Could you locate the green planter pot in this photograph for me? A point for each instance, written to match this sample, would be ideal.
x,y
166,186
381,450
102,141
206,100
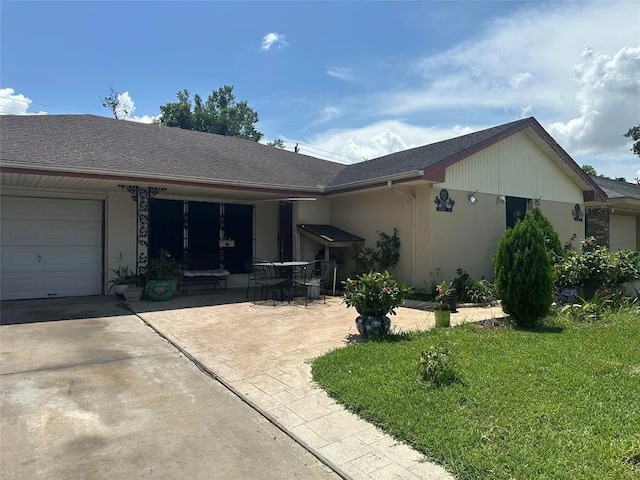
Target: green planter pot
x,y
443,318
372,325
160,290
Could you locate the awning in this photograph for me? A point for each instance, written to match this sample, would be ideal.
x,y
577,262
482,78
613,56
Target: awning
x,y
330,236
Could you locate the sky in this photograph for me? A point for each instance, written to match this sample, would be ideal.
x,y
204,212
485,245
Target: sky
x,y
347,81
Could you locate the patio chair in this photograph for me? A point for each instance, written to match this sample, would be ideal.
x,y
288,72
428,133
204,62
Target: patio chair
x,y
314,280
264,278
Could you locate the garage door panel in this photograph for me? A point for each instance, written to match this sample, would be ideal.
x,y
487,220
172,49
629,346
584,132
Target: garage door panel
x,y
50,209
51,247
50,233
53,284
73,259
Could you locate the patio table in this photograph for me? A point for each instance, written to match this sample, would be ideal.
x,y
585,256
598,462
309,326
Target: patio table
x,y
285,269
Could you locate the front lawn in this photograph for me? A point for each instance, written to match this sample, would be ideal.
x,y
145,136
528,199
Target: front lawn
x,y
556,403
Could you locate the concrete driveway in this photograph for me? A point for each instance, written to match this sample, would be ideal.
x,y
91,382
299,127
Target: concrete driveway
x,y
89,391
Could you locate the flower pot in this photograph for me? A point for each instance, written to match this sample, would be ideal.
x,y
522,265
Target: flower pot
x,y
160,290
443,318
452,301
119,290
373,325
133,294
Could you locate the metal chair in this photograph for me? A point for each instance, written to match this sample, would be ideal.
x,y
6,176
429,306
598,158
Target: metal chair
x,y
314,280
264,278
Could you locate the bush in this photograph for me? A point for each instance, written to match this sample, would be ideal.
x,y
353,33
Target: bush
x,y
551,238
375,293
524,279
384,257
462,284
483,293
436,367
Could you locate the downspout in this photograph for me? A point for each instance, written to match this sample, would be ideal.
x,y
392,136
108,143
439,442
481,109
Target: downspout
x,y
413,228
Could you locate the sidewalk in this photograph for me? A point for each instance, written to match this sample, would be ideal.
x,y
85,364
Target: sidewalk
x,y
262,353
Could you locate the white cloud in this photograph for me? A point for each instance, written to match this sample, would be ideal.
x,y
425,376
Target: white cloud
x,y
608,101
342,73
519,79
329,113
382,138
126,107
273,40
12,103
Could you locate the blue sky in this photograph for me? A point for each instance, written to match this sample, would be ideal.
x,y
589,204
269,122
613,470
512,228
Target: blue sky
x,y
358,79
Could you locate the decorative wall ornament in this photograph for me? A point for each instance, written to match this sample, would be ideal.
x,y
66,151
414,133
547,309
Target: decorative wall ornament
x,y
577,213
443,202
142,196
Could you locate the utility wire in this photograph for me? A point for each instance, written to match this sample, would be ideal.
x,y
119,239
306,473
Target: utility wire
x,y
324,151
36,103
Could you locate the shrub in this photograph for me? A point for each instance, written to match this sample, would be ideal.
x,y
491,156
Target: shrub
x,y
483,292
524,279
384,257
462,283
375,293
551,238
436,367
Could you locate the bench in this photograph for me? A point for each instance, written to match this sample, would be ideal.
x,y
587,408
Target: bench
x,y
215,277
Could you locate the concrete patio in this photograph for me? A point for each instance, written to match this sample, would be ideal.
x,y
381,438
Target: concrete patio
x,y
262,353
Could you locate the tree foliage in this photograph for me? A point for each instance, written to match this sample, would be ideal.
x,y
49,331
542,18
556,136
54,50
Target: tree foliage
x,y
219,113
111,101
634,134
277,143
589,170
551,238
524,277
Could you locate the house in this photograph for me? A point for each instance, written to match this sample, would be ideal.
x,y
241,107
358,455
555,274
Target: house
x,y
616,222
79,190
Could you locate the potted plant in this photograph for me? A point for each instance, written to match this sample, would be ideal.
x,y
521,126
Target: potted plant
x,y
162,274
133,292
442,309
374,296
120,278
447,293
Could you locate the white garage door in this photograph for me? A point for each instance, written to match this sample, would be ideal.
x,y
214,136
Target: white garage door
x,y
622,232
50,247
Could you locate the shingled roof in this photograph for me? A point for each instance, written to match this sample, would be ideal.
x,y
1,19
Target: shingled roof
x,y
94,144
420,158
89,144
617,188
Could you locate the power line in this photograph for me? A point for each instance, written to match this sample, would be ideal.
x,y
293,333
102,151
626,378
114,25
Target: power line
x,y
325,151
36,103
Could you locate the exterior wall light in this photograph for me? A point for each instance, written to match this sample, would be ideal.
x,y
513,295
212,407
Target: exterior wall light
x,y
472,198
500,199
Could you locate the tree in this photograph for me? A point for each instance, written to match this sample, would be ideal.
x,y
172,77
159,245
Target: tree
x,y
551,238
524,278
277,143
634,134
112,101
220,114
589,170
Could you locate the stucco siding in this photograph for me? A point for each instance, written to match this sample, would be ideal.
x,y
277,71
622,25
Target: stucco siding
x,y
366,214
622,232
516,167
468,236
120,231
266,230
560,216
313,212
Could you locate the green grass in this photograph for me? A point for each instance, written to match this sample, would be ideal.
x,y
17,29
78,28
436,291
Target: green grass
x,y
556,403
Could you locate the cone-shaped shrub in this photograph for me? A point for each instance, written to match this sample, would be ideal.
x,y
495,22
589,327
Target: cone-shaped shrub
x,y
524,278
551,238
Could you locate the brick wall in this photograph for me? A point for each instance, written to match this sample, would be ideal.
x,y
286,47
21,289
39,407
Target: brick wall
x,y
597,224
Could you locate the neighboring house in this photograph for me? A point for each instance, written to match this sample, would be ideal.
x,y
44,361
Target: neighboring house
x,y
77,190
616,222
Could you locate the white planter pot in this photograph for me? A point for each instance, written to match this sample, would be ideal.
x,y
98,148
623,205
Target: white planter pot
x,y
119,290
